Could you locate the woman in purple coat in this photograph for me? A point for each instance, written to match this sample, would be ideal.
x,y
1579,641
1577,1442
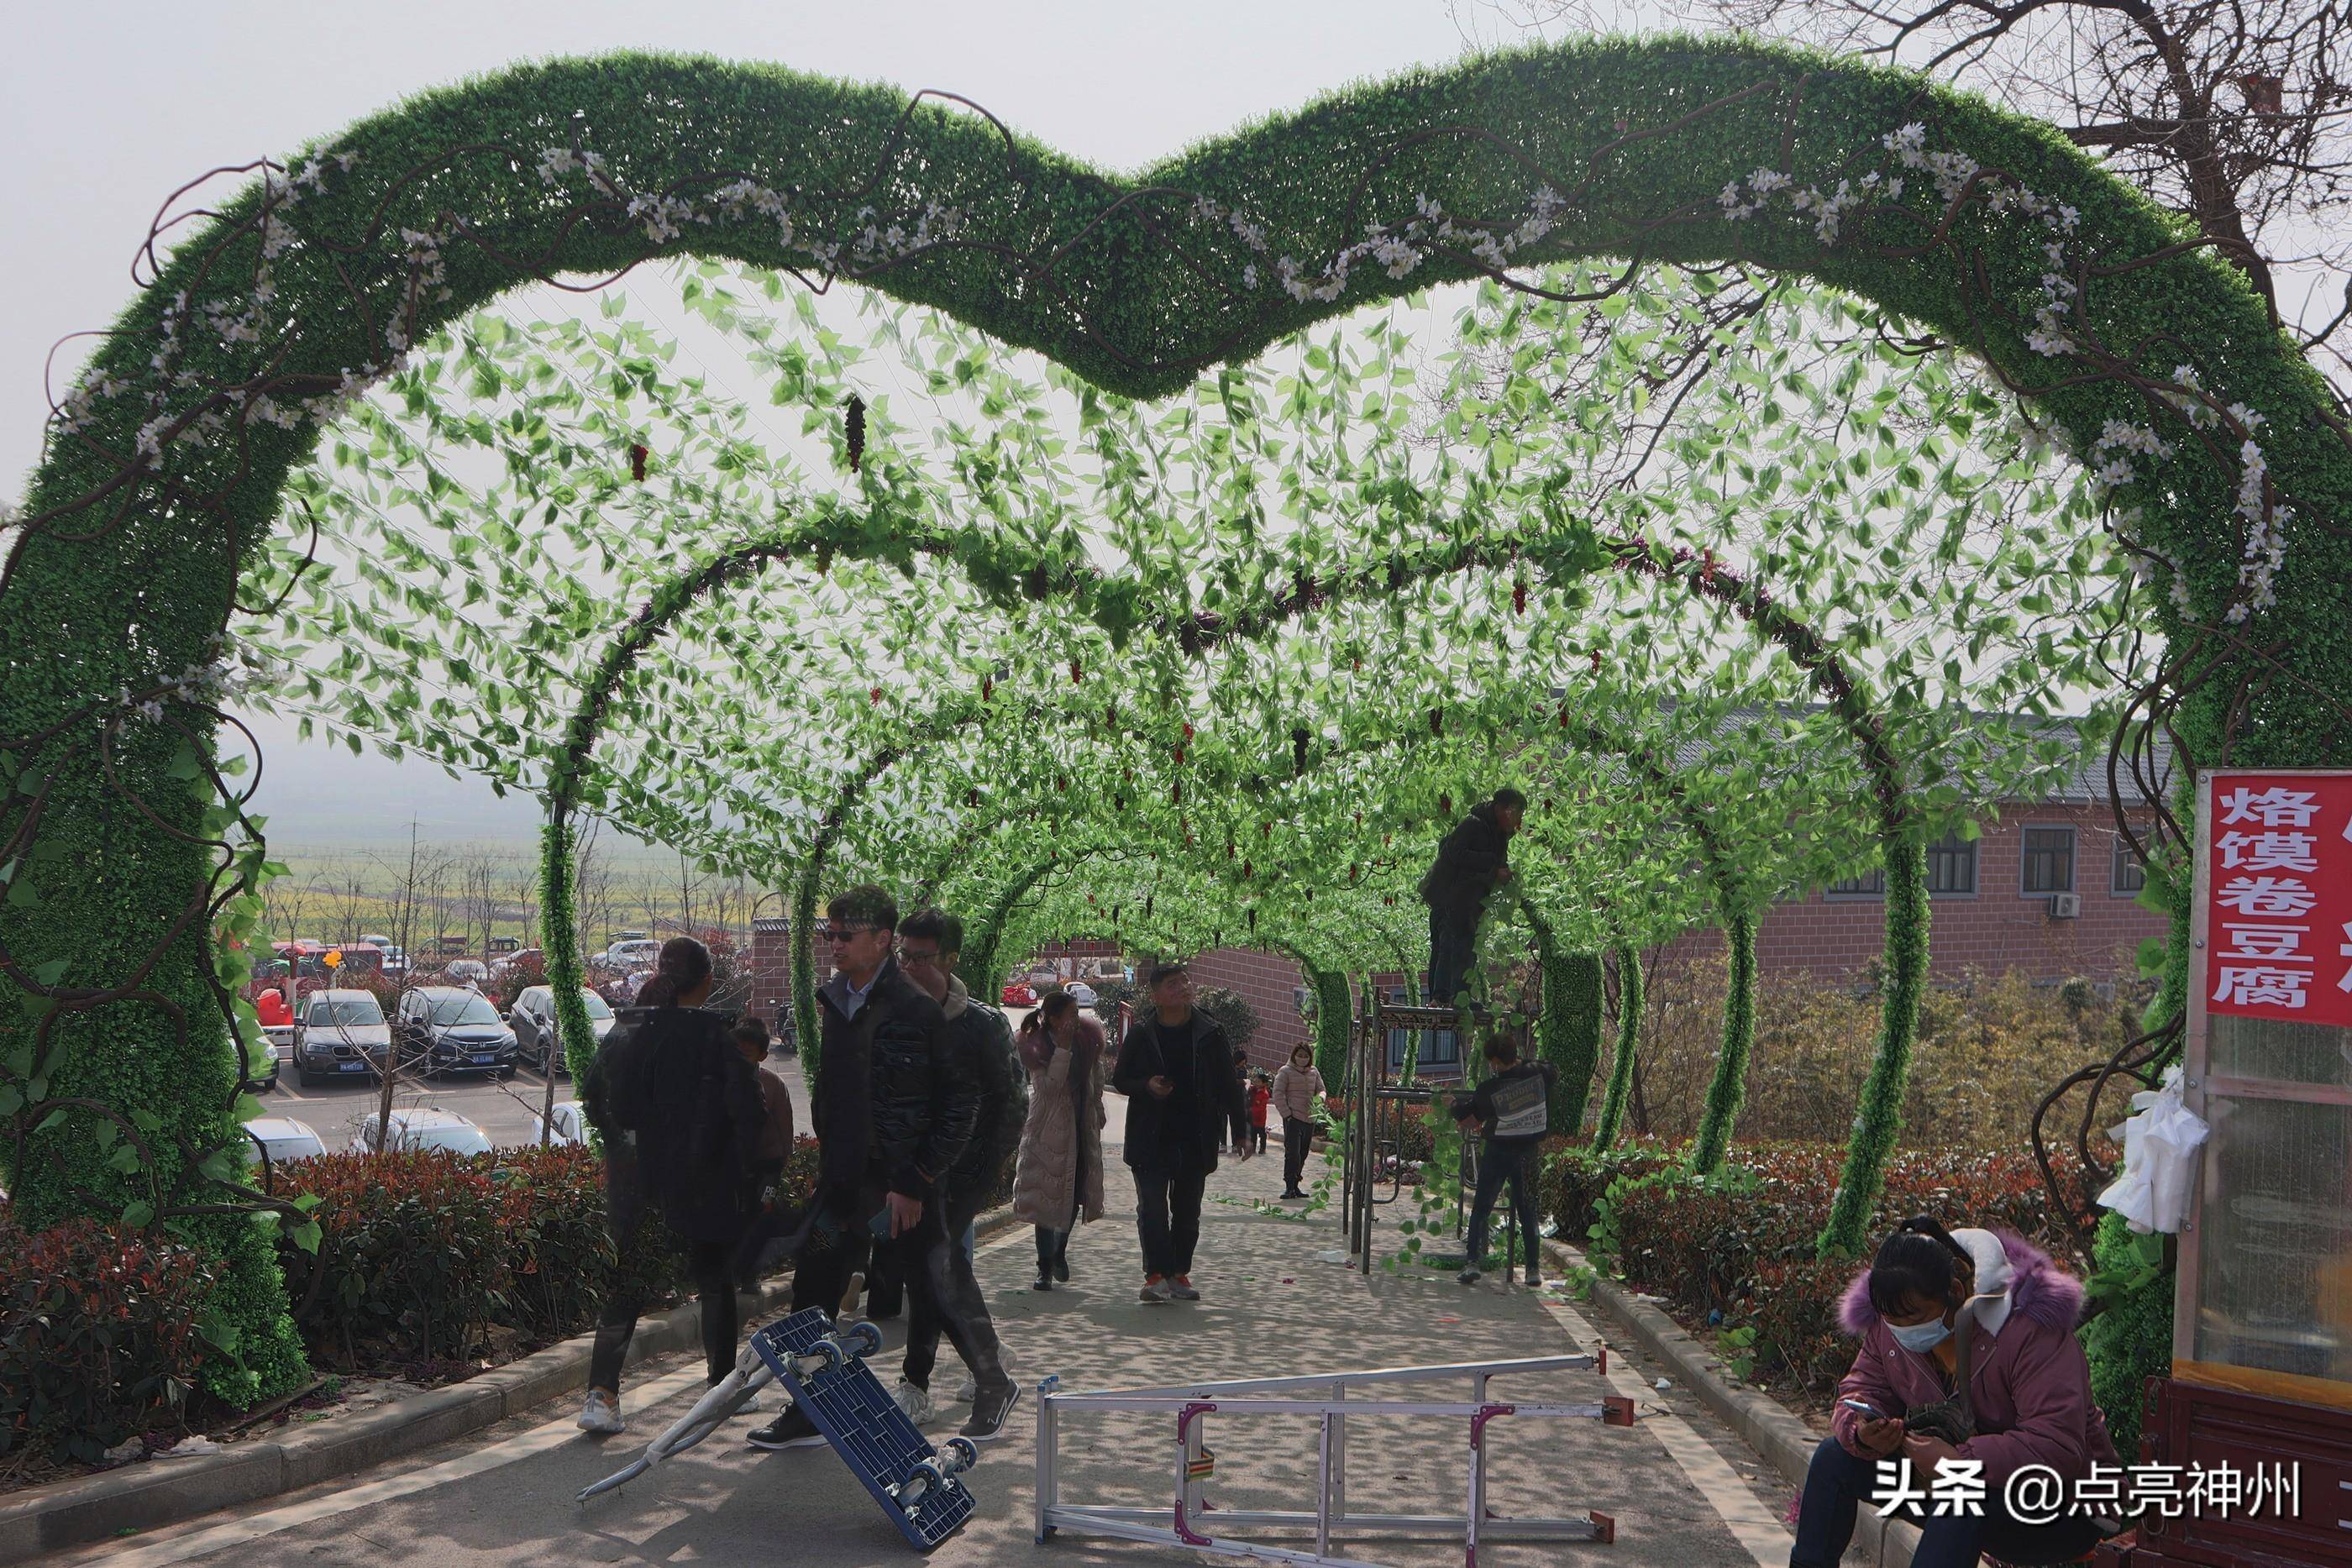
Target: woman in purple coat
x,y
1933,1303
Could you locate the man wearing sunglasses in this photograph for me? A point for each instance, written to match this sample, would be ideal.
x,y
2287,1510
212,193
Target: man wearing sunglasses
x,y
928,944
894,1106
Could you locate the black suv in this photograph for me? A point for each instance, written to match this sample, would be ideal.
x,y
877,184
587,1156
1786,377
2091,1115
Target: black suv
x,y
453,1029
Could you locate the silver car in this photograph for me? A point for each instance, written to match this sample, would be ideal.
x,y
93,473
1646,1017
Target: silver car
x,y
532,1018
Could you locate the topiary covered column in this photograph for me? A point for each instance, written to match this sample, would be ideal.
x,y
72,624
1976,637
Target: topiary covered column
x,y
1621,1070
1630,1002
1728,1087
1880,1116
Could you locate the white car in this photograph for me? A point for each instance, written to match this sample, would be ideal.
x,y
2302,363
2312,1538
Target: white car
x,y
282,1138
422,1127
532,1018
641,954
568,1121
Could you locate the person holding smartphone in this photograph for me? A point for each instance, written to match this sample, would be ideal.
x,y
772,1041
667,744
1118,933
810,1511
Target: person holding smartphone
x,y
1968,1334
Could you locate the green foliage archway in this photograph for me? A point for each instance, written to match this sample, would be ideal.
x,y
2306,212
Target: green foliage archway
x,y
156,518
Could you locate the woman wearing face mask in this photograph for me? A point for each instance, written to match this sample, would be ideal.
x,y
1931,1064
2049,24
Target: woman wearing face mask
x,y
1967,1353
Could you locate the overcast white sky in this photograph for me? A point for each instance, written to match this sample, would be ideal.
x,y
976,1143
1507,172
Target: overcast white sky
x,y
111,106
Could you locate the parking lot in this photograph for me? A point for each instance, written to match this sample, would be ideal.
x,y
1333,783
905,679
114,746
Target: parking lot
x,y
503,1109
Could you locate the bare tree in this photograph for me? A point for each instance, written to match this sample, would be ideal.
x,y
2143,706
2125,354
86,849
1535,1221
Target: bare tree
x,y
480,877
416,881
524,882
593,891
2235,113
286,903
349,895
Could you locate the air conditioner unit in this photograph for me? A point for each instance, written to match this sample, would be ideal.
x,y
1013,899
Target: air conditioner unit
x,y
2065,905
1303,998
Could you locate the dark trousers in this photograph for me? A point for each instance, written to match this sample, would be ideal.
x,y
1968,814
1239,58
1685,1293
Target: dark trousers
x,y
1498,1163
946,1296
1054,1246
714,1285
1168,1216
1297,1135
827,1261
886,1289
1257,1137
1837,1483
1238,1126
924,1259
1453,946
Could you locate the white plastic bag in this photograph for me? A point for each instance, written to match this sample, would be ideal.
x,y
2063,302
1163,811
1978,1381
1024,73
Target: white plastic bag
x,y
2160,1141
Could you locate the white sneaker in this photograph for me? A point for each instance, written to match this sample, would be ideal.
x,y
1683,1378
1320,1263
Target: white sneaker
x,y
849,1300
600,1413
914,1401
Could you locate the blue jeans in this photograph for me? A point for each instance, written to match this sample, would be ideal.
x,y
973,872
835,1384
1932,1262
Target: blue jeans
x,y
1837,1483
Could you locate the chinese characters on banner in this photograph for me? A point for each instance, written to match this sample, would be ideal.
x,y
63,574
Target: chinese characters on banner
x,y
2278,912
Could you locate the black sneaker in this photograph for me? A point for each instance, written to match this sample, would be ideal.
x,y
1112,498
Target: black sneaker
x,y
791,1429
1471,1275
1061,1271
990,1407
1043,1281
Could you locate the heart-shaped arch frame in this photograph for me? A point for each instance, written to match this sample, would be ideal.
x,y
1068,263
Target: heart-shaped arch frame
x,y
164,465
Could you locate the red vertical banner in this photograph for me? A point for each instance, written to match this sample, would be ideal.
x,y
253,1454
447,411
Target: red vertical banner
x,y
2278,895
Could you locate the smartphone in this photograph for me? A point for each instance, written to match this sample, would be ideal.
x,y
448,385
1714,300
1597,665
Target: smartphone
x,y
1866,1410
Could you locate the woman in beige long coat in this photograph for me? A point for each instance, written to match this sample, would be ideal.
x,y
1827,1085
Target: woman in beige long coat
x,y
1059,1180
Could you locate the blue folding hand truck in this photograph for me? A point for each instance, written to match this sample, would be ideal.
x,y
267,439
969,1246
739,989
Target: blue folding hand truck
x,y
919,1489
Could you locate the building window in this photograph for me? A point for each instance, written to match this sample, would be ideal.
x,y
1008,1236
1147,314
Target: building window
x,y
1440,1048
2049,862
2130,871
1952,867
1872,884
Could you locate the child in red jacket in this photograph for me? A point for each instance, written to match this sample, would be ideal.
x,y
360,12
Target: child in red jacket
x,y
1261,1095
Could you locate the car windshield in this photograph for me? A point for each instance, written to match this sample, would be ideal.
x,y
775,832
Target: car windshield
x,y
452,1010
597,1007
344,1012
461,1139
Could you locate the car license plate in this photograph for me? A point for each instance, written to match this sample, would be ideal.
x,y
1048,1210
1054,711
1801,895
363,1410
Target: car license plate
x,y
350,1066
485,1061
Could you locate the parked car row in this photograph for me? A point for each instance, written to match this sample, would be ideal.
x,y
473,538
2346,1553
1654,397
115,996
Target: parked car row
x,y
410,1127
343,1031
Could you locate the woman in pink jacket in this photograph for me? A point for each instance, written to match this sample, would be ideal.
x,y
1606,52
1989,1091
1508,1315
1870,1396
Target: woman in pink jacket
x,y
1932,1302
1298,1090
1059,1178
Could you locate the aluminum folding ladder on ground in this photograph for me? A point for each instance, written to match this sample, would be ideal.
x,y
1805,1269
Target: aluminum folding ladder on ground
x,y
1326,1396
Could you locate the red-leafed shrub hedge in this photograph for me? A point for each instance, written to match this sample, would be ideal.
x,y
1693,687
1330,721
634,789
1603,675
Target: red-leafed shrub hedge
x,y
100,1334
1737,1250
411,1251
420,1257
423,1253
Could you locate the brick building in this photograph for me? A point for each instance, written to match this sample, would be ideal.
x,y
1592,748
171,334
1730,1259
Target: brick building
x,y
2050,889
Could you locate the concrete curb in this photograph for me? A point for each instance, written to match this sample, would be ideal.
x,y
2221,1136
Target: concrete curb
x,y
161,1491
1775,1432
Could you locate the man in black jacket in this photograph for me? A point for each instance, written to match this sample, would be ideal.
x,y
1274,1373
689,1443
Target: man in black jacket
x,y
894,1108
928,943
1472,861
1176,1069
